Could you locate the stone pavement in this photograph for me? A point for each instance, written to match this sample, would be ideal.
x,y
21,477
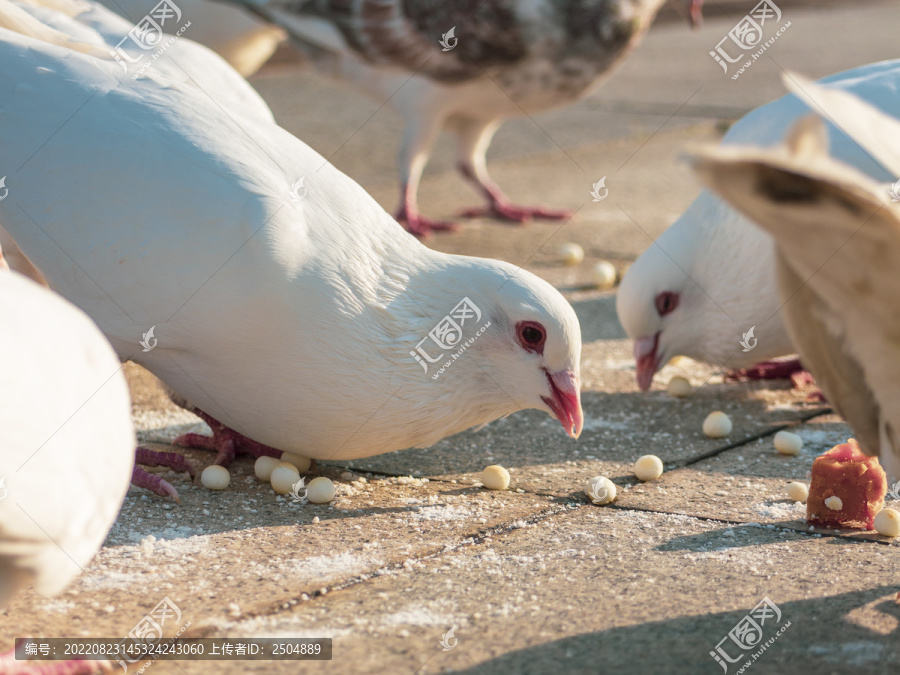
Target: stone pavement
x,y
535,579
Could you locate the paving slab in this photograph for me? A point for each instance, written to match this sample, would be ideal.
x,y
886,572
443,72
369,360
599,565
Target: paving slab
x,y
247,550
600,590
748,484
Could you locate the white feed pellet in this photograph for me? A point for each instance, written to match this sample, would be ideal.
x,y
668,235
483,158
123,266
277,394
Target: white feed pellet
x,y
215,477
571,254
320,490
834,503
787,443
300,462
797,492
604,275
601,490
283,478
679,387
717,425
264,467
887,522
495,477
648,467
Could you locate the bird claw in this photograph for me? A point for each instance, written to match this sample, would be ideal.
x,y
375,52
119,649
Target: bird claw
x,y
422,227
225,442
518,214
767,370
172,460
149,481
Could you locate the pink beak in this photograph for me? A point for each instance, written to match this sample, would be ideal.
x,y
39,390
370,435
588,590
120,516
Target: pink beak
x,y
566,401
646,359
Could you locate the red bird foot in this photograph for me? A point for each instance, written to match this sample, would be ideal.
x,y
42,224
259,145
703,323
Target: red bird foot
x,y
804,381
420,226
10,666
767,370
225,442
503,210
152,482
781,370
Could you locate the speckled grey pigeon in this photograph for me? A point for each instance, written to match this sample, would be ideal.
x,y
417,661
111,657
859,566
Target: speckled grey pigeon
x,y
465,66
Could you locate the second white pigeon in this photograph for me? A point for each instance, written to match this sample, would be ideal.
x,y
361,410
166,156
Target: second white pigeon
x,y
709,278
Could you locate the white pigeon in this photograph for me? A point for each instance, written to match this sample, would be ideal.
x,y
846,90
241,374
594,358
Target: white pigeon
x,y
837,236
66,443
708,279
464,66
244,41
304,319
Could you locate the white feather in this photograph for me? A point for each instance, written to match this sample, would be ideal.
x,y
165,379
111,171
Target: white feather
x,y
66,440
838,242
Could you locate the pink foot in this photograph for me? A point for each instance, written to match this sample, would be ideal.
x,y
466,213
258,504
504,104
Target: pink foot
x,y
503,210
226,442
152,482
173,460
10,666
767,370
420,226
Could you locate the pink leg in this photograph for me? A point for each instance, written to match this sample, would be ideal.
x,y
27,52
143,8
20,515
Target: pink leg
x,y
225,442
417,224
173,460
152,482
9,666
783,369
767,370
500,207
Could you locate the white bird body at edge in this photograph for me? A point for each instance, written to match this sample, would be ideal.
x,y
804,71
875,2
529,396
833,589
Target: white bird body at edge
x,y
720,264
66,439
837,237
291,322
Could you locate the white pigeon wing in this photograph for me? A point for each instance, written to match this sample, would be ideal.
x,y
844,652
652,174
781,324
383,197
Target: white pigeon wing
x,y
839,244
876,132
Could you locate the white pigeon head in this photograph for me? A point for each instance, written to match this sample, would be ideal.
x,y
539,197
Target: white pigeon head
x,y
698,289
522,352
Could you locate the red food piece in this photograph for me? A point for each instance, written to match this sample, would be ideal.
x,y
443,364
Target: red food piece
x,y
855,478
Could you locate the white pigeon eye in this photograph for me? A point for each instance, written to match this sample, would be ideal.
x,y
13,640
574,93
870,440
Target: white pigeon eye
x,y
531,336
666,302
